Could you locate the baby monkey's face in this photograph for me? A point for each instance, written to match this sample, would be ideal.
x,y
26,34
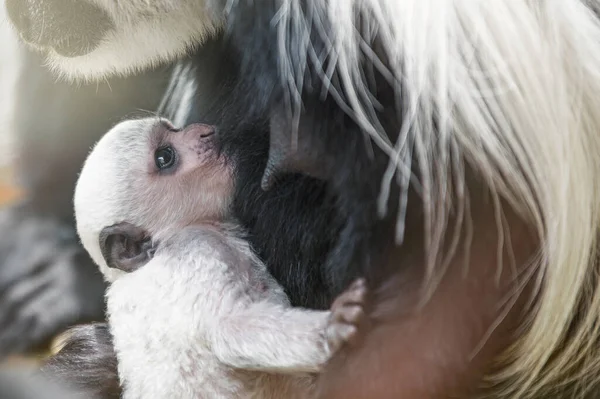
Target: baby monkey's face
x,y
185,175
175,178
145,180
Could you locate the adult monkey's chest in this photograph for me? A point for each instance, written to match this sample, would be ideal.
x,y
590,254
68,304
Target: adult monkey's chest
x,y
313,218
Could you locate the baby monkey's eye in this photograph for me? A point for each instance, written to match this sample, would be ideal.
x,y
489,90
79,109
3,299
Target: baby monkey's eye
x,y
164,157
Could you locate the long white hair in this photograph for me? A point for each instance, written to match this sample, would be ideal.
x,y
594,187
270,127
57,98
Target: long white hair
x,y
514,89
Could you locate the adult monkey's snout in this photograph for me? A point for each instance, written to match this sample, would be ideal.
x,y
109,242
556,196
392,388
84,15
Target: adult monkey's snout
x,y
71,28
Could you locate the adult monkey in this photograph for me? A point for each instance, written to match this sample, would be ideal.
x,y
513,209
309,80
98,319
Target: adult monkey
x,y
493,106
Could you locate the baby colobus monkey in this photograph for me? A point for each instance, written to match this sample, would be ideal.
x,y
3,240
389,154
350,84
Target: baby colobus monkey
x,y
192,311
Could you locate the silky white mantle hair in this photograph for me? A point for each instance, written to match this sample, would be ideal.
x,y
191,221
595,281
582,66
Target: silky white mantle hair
x,y
513,87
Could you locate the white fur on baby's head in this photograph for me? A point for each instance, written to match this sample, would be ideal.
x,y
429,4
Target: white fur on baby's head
x,y
119,183
101,197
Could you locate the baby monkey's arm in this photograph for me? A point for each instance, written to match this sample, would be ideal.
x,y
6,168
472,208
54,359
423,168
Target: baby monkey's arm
x,y
280,339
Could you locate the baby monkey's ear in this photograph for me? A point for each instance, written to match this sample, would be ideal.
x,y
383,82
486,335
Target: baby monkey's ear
x,y
125,246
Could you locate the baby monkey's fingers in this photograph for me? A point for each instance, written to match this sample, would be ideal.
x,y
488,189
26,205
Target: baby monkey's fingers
x,y
347,322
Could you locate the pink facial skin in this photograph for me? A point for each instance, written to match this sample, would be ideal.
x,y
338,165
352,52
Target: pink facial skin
x,y
185,175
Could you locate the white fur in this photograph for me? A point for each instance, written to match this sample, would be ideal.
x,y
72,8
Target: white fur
x,y
204,319
97,204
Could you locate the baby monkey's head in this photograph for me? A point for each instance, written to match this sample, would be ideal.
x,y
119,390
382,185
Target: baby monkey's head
x,y
144,180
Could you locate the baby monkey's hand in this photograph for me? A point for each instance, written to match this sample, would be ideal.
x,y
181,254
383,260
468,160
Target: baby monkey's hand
x,y
348,318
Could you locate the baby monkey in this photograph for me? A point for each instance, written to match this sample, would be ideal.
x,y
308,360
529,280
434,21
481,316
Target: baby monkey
x,y
193,312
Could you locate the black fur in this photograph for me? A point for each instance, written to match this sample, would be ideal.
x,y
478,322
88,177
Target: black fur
x,y
293,226
47,280
316,236
86,363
